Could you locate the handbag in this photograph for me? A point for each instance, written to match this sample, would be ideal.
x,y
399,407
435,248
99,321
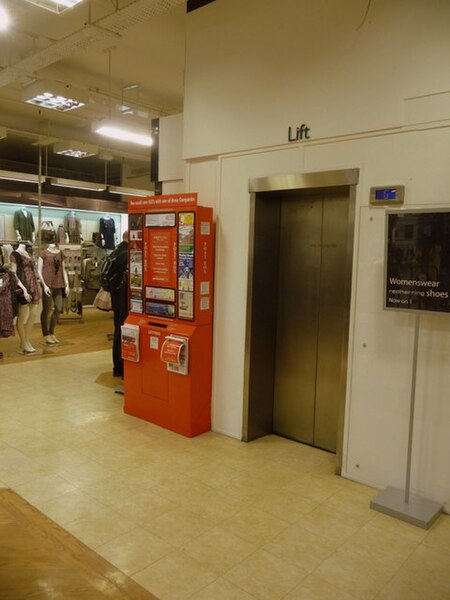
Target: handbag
x,y
102,300
47,232
97,238
20,295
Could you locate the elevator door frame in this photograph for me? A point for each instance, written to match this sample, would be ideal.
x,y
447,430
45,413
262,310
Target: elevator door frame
x,y
258,407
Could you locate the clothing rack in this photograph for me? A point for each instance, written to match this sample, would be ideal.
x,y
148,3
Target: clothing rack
x,y
15,242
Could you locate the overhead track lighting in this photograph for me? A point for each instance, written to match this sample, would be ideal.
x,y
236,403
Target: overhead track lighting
x,y
125,191
123,132
56,6
54,95
75,149
77,185
21,177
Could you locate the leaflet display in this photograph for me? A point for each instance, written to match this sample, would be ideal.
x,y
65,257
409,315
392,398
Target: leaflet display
x,y
136,246
171,302
130,342
171,258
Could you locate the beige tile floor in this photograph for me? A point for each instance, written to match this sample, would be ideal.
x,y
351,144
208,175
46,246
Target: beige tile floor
x,y
209,518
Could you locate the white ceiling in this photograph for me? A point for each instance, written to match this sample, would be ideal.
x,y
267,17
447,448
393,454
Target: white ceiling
x,y
100,46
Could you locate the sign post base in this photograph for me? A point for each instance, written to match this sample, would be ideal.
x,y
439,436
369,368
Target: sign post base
x,y
418,511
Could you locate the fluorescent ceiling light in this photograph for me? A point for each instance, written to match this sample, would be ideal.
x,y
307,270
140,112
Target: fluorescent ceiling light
x,y
54,95
56,6
22,177
4,19
123,132
125,191
75,149
77,185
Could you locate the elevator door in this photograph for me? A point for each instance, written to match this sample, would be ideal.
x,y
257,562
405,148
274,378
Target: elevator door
x,y
311,318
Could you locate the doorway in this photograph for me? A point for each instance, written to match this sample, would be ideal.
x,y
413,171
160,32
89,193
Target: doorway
x,y
298,307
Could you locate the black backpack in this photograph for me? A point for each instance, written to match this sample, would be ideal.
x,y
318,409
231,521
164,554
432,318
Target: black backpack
x,y
111,276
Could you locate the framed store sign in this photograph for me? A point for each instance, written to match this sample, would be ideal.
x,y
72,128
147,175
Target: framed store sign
x,y
417,262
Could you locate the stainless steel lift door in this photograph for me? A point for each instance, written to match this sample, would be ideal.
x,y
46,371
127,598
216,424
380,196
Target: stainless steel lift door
x,y
311,321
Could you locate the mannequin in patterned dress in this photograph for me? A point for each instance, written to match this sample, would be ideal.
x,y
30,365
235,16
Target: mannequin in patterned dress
x,y
25,268
53,276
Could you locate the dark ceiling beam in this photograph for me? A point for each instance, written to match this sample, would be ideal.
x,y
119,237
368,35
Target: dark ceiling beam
x,y
195,4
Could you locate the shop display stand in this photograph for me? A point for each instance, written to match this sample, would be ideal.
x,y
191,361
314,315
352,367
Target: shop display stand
x,y
400,503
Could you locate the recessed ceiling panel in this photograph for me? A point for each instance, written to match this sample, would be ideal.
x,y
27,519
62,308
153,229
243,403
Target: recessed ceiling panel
x,y
56,6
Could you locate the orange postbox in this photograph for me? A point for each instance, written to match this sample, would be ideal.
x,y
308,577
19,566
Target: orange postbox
x,y
167,336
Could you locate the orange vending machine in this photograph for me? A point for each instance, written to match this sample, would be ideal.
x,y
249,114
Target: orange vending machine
x,y
167,336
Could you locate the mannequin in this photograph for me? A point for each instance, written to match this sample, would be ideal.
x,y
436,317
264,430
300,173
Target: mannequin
x,y
53,276
108,232
24,224
72,228
25,268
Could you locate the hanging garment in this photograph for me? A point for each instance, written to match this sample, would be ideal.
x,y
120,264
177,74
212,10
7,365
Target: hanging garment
x,y
60,235
72,226
24,224
8,303
6,251
91,273
97,238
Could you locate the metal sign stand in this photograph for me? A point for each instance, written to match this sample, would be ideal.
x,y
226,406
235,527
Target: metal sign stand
x,y
398,503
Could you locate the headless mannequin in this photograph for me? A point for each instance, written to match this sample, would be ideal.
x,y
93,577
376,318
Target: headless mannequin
x,y
111,242
27,312
72,228
48,328
18,236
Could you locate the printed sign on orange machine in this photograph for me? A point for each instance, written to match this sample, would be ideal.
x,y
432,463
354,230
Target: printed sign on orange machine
x,y
130,342
171,351
175,353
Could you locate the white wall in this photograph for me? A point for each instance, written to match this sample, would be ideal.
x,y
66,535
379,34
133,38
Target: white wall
x,y
171,164
256,67
376,98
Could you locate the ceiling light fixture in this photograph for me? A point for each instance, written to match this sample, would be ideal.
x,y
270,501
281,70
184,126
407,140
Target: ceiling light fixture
x,y
56,6
77,185
122,132
75,149
4,19
125,191
21,177
54,95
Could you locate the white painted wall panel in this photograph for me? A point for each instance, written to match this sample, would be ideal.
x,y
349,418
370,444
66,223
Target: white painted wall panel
x,y
171,164
379,375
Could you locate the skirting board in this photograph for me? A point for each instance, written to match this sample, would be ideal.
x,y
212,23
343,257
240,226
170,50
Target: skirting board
x,y
418,511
